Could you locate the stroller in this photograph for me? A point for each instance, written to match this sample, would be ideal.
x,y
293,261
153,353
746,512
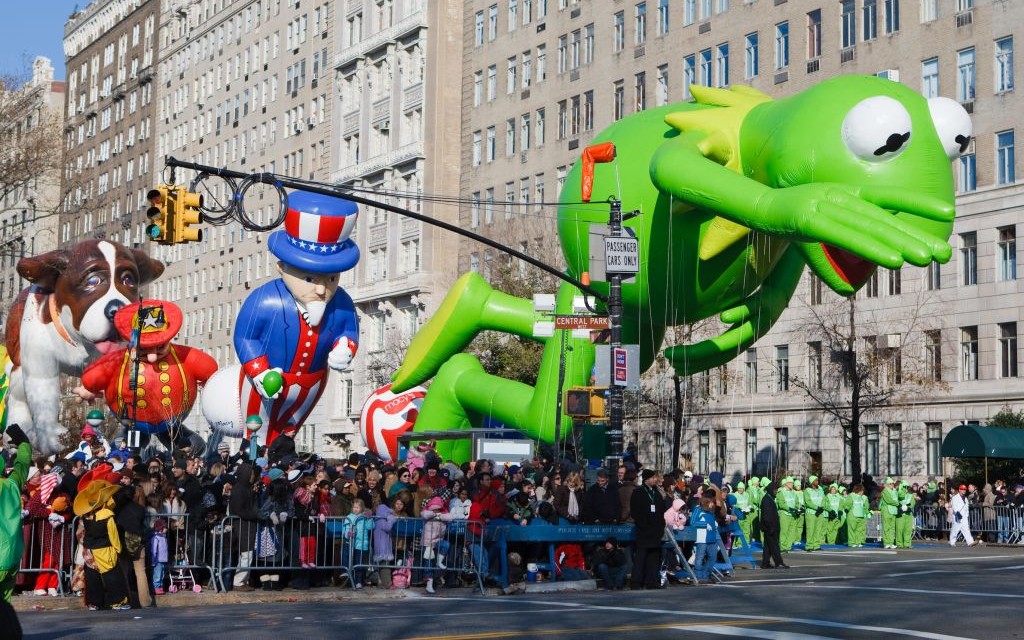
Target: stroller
x,y
181,577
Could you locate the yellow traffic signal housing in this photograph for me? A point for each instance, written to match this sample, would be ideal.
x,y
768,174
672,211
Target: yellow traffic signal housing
x,y
584,402
187,213
158,229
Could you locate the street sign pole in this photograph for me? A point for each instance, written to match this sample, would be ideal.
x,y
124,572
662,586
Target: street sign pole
x,y
615,409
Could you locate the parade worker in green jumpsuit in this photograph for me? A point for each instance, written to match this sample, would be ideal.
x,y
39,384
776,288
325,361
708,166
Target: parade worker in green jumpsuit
x,y
745,507
798,526
814,501
786,500
842,537
756,493
905,517
12,542
833,519
857,510
889,507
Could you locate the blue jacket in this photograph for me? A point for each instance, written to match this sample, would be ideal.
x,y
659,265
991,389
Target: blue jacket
x,y
360,525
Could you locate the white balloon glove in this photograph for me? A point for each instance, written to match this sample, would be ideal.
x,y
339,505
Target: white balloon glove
x,y
257,383
341,355
273,518
283,517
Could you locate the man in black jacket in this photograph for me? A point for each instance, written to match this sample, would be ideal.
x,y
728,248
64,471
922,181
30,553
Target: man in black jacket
x,y
601,501
770,527
243,505
647,506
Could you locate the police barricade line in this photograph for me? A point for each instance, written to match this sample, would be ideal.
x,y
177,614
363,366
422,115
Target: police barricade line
x,y
265,549
47,554
413,550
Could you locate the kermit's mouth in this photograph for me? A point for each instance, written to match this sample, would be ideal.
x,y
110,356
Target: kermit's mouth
x,y
851,269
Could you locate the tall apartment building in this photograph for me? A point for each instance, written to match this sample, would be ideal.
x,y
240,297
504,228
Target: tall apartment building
x,y
397,130
33,115
542,77
111,54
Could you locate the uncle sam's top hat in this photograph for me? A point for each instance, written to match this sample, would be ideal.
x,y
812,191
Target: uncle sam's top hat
x,y
316,234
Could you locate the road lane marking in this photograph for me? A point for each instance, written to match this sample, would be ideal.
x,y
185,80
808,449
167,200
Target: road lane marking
x,y
1014,567
731,624
938,592
455,614
747,632
960,559
739,582
916,573
706,614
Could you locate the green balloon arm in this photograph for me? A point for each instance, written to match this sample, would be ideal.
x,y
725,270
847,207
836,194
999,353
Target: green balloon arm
x,y
750,320
817,212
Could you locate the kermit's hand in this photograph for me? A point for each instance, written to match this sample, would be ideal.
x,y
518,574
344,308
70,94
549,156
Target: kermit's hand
x,y
856,219
748,321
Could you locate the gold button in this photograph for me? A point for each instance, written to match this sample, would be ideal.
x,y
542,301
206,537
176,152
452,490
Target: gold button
x,y
166,389
141,404
141,380
164,377
140,393
166,402
164,366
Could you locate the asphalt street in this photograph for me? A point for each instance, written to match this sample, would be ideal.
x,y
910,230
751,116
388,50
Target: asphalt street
x,y
928,592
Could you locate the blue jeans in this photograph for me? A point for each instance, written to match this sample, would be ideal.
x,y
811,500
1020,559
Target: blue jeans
x,y
159,569
705,559
356,572
1004,527
613,577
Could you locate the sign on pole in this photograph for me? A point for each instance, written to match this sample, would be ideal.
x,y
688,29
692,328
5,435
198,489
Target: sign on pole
x,y
581,322
620,377
621,255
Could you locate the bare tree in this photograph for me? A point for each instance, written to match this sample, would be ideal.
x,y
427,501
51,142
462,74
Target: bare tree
x,y
860,363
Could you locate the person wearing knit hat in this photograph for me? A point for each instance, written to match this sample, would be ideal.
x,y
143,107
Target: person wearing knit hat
x,y
93,445
857,512
786,501
647,507
754,488
798,525
905,517
274,474
745,508
889,506
814,499
834,517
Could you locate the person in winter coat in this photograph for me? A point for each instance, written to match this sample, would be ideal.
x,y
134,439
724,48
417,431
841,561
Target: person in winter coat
x,y
770,527
460,505
675,518
12,544
242,504
158,554
609,564
50,510
601,501
105,586
647,506
131,522
432,540
569,562
570,498
277,509
355,531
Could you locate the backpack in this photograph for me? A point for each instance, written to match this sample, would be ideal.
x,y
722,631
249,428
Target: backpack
x,y
402,576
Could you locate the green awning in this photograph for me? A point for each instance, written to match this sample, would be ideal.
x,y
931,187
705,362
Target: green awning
x,y
976,441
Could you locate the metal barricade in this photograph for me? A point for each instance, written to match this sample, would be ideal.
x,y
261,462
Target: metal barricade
x,y
452,550
191,548
48,554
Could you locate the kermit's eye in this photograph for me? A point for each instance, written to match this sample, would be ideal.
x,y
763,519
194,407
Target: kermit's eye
x,y
877,129
953,125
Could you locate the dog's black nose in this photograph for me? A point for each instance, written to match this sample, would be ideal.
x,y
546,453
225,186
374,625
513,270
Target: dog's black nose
x,y
112,308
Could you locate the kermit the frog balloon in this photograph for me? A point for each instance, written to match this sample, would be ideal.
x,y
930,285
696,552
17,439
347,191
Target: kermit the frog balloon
x,y
736,194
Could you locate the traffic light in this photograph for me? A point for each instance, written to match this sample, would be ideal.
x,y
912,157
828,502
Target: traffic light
x,y
584,402
158,229
187,213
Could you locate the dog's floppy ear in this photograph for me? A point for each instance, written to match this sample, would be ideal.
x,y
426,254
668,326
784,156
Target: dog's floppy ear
x,y
43,270
149,268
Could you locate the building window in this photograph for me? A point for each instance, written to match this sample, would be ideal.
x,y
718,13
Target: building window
x,y
721,449
895,450
969,258
782,448
933,276
1008,350
662,17
640,23
478,33
511,74
871,449
750,371
478,148
662,93
967,178
965,75
705,67
619,31
929,10
933,354
1007,250
782,368
689,12
542,62
750,57
492,82
871,286
722,64
491,133
849,24
751,449
817,289
933,431
618,100
814,365
782,45
892,16
894,282
870,13
814,34
703,451
492,22
705,9
1004,65
969,353
640,91
588,110
1005,173
930,78
588,43
513,14
689,75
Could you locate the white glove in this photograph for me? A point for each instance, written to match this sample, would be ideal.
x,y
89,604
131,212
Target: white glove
x,y
257,383
56,520
24,513
323,518
341,355
283,517
273,518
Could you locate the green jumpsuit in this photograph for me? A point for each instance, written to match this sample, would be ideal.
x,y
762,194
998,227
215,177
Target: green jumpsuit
x,y
746,508
12,543
786,500
814,498
798,525
756,493
856,519
889,507
833,520
905,518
